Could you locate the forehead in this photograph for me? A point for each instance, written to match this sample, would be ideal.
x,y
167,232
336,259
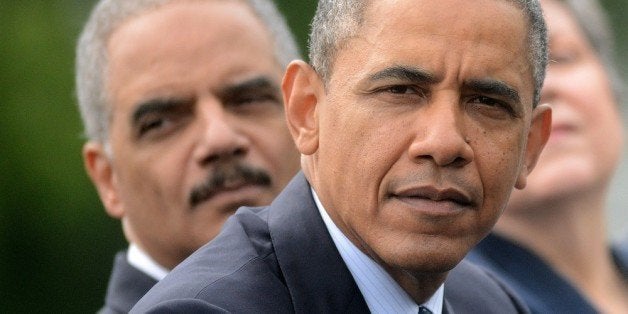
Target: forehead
x,y
181,43
450,38
441,16
560,21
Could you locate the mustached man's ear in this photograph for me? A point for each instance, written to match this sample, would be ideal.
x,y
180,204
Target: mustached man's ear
x,y
100,170
302,90
540,129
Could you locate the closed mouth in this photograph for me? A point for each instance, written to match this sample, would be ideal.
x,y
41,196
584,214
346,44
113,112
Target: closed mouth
x,y
430,193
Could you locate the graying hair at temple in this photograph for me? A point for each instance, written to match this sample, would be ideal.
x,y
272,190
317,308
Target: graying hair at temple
x,y
336,21
91,53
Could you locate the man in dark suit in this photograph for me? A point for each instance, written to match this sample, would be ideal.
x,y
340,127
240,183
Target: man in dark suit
x,y
414,122
182,108
282,259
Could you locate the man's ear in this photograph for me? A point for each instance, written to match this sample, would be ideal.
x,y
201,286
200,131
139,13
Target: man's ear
x,y
538,135
100,170
302,91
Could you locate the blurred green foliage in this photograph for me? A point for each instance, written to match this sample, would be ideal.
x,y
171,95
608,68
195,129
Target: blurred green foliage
x,y
56,240
57,243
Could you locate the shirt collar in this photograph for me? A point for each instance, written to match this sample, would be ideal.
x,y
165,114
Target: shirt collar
x,y
142,261
380,291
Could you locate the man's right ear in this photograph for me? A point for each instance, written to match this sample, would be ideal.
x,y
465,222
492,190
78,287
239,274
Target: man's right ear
x,y
100,170
303,91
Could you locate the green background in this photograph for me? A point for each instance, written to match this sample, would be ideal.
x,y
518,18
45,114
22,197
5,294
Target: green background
x,y
57,243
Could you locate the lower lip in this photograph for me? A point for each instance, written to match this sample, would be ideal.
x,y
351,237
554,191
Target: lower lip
x,y
432,208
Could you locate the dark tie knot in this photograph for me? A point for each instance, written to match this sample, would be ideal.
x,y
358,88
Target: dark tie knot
x,y
424,310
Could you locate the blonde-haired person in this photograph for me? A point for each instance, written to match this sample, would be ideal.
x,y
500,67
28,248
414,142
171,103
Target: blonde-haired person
x,y
551,243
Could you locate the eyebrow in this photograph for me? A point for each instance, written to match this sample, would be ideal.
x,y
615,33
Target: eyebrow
x,y
256,83
406,73
495,88
167,104
155,105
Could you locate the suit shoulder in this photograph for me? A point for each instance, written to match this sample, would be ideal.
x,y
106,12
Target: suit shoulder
x,y
238,265
475,290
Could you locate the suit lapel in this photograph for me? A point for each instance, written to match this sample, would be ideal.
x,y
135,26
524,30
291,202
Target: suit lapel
x,y
126,286
315,274
447,308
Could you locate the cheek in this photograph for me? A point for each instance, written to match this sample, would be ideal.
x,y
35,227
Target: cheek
x,y
593,99
148,183
273,143
590,92
278,156
156,175
362,147
355,153
499,158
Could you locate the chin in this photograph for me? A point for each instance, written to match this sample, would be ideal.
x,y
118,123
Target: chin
x,y
431,264
430,257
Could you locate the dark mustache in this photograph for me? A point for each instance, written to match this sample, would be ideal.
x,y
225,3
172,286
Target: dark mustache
x,y
232,172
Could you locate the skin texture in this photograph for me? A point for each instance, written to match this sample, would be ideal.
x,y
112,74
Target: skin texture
x,y
191,100
585,115
410,152
570,183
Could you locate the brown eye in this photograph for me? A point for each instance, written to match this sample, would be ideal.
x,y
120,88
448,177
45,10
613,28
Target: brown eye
x,y
487,104
399,89
150,125
403,90
487,101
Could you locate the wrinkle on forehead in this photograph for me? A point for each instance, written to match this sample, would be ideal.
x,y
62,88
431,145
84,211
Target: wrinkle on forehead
x,y
466,39
429,19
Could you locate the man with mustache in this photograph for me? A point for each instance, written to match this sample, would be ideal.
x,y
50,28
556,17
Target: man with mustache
x,y
184,119
415,120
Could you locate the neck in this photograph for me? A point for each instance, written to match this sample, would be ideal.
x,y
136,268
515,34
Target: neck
x,y
420,287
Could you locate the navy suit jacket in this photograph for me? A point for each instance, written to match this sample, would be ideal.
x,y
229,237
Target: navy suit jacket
x,y
539,285
127,285
621,255
281,259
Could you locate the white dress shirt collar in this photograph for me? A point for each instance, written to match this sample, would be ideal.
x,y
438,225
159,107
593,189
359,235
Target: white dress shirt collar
x,y
380,291
142,261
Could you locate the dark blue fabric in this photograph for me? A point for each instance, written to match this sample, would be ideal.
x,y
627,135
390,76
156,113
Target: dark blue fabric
x,y
540,287
620,253
281,259
127,285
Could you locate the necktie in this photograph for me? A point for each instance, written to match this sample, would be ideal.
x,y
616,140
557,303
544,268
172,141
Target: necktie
x,y
424,310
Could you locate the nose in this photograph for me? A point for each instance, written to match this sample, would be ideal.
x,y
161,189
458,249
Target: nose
x,y
440,136
220,135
